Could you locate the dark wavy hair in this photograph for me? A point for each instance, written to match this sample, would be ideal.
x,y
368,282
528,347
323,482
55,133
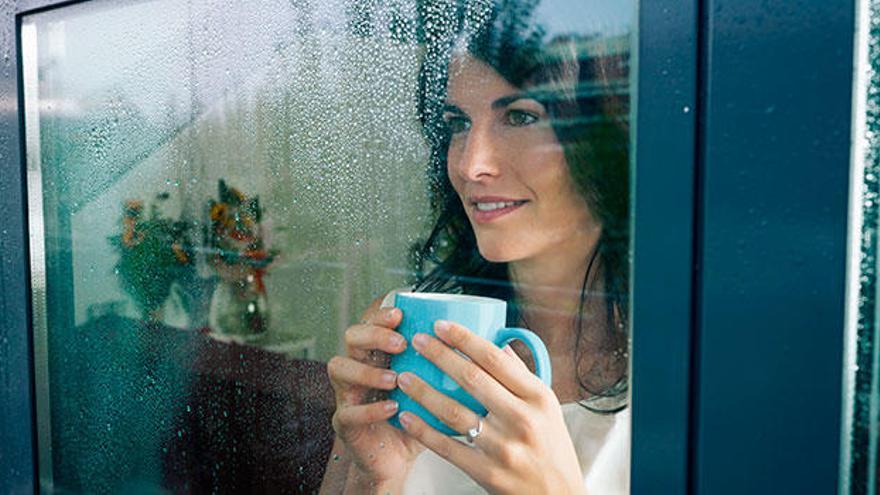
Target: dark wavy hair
x,y
586,94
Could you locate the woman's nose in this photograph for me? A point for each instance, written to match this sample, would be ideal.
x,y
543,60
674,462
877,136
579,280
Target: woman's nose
x,y
480,157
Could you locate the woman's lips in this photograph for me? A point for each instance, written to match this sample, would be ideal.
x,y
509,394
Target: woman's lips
x,y
487,211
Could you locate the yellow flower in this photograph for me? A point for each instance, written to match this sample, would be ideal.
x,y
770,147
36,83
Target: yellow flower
x,y
133,208
238,194
219,211
179,253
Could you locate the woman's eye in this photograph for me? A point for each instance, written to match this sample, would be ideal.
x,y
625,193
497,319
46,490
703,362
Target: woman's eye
x,y
519,118
457,124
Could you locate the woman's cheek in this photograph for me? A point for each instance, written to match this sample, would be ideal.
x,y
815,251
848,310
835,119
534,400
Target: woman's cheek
x,y
454,170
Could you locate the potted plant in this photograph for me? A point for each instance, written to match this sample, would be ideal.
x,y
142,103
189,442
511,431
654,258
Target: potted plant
x,y
154,253
237,250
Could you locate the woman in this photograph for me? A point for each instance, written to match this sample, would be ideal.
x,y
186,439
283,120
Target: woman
x,y
530,183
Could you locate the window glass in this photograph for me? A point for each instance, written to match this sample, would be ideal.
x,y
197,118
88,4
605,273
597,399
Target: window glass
x,y
221,195
861,401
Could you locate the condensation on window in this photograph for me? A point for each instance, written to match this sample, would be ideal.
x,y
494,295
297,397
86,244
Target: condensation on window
x,y
217,191
861,401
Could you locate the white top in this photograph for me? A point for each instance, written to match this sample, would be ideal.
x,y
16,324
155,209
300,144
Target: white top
x,y
602,442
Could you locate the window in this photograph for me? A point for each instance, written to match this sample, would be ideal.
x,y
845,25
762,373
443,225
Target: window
x,y
219,190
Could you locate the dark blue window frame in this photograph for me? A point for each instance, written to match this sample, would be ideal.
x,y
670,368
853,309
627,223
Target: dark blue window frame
x,y
776,93
743,118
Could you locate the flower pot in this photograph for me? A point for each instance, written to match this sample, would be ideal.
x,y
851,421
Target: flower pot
x,y
239,309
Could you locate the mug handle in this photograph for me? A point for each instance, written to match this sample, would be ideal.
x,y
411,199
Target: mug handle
x,y
535,345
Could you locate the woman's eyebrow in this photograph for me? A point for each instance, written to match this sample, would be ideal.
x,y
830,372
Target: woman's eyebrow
x,y
507,100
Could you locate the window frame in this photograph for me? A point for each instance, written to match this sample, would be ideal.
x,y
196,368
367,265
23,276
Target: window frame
x,y
694,185
664,194
772,236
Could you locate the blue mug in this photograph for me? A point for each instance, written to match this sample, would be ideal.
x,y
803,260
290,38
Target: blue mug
x,y
484,316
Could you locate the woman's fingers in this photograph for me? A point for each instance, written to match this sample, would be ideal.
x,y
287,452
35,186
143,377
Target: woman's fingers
x,y
444,408
346,372
505,367
512,353
364,414
451,412
385,317
445,446
474,379
375,333
468,459
369,337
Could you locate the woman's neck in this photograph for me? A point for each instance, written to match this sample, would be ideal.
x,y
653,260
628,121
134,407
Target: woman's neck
x,y
549,295
548,287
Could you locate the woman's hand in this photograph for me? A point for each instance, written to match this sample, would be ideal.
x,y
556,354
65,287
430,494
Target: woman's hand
x,y
381,454
524,446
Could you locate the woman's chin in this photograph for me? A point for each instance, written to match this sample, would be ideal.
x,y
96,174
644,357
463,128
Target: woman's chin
x,y
496,254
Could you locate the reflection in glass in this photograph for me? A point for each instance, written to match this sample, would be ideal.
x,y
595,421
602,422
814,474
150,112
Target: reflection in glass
x,y
225,188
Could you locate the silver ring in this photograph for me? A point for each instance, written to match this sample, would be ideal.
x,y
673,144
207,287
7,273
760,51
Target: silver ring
x,y
474,432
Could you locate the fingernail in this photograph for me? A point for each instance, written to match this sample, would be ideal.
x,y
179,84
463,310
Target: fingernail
x,y
441,326
420,340
405,420
405,379
391,405
389,377
396,340
393,313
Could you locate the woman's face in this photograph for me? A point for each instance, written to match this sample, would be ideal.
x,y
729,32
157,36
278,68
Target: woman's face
x,y
509,169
